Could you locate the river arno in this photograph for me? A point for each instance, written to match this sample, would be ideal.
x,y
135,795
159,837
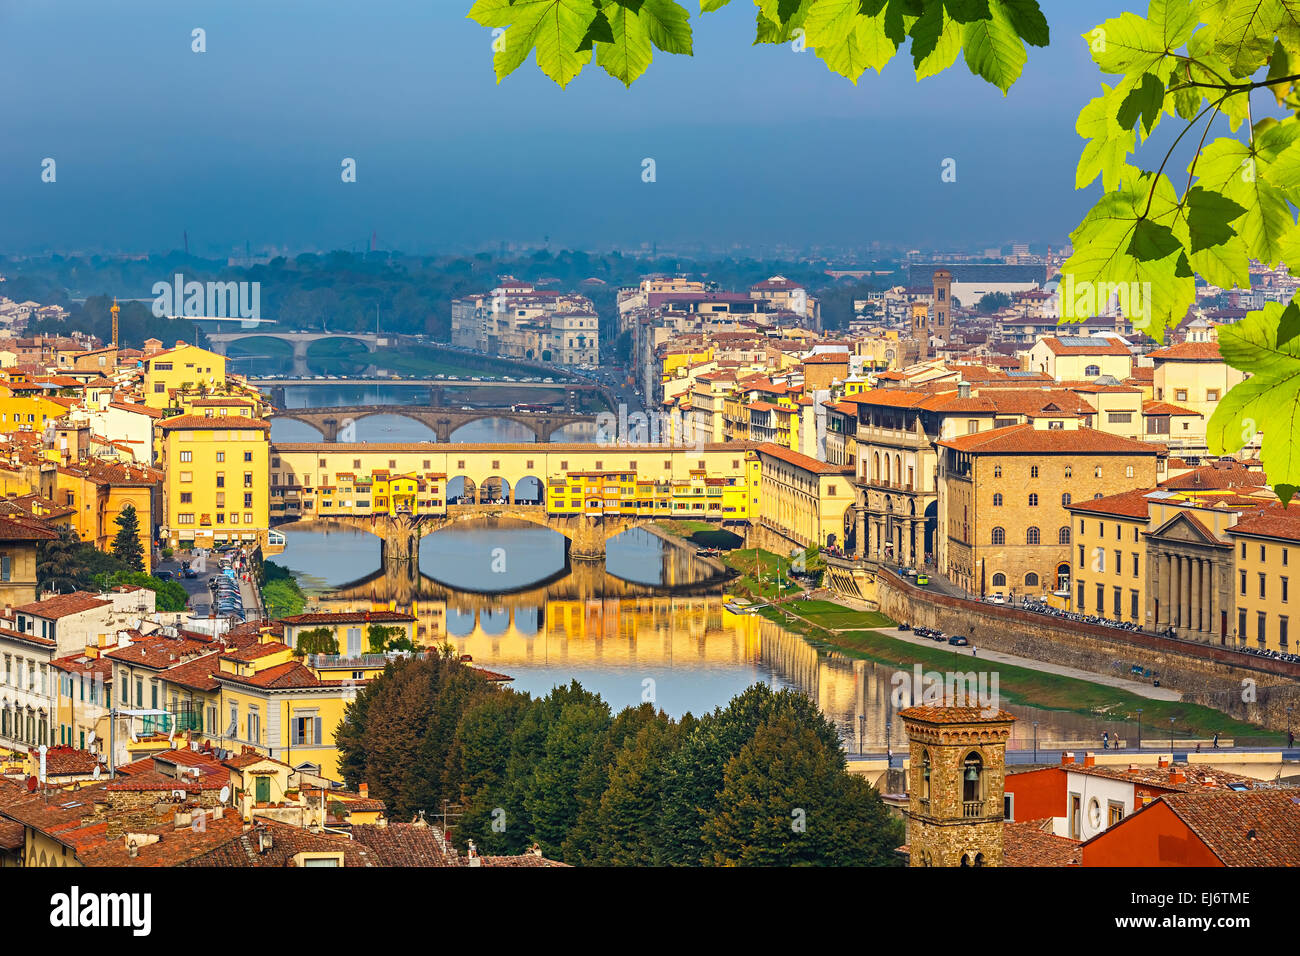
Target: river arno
x,y
613,628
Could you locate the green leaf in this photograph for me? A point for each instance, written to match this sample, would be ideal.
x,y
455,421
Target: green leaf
x,y
1152,241
1131,44
993,48
1146,100
1288,326
708,6
944,50
1029,21
628,53
1225,265
848,42
1103,260
1209,217
1230,167
1251,345
669,26
554,29
1243,31
1237,416
1109,144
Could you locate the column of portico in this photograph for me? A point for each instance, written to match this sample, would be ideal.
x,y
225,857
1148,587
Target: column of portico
x,y
1207,600
1175,590
920,542
1185,595
1180,582
906,530
860,542
1194,596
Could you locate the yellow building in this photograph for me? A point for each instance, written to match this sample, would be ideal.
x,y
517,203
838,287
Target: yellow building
x,y
1192,376
1110,559
98,490
215,487
28,408
271,701
715,481
801,499
1264,544
178,368
19,537
351,629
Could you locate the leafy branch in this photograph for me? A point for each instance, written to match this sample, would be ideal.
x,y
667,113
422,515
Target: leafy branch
x,y
850,36
1237,206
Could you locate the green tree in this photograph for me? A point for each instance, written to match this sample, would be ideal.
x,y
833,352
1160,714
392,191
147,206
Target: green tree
x,y
480,754
58,564
787,800
384,638
126,543
319,640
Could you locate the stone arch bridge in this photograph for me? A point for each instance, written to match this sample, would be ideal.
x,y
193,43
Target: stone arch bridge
x,y
220,342
586,534
333,422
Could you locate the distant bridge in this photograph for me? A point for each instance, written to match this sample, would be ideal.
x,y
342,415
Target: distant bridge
x,y
438,388
586,534
220,342
335,422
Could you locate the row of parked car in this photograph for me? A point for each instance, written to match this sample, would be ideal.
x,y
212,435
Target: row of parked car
x,y
934,634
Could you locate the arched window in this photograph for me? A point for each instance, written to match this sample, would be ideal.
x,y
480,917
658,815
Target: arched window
x,y
999,580
1128,472
1031,580
1066,499
1069,472
876,472
1092,370
1033,471
1033,501
997,471
1096,496
997,501
1096,472
1063,535
925,775
972,784
1031,535
999,536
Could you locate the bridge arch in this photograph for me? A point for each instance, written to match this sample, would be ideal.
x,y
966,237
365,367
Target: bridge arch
x,y
530,490
494,490
460,488
493,415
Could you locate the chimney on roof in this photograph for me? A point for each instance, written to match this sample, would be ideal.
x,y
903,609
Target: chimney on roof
x,y
1177,775
1162,762
364,789
1134,768
1090,759
263,839
963,389
471,853
1066,757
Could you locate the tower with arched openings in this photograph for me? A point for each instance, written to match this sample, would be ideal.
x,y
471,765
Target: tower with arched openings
x,y
956,774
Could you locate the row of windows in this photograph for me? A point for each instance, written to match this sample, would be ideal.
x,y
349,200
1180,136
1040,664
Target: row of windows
x,y
1263,553
1032,535
1069,472
1116,603
221,456
1263,587
1261,627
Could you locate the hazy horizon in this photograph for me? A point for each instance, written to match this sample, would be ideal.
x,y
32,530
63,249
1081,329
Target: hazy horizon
x,y
243,143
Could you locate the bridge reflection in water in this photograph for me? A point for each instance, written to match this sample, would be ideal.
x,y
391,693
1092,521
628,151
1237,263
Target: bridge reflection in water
x,y
630,641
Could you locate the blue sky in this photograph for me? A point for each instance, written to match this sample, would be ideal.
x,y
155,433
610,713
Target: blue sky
x,y
753,146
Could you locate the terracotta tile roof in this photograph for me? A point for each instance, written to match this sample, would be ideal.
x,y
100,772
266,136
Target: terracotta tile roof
x,y
1126,504
1271,522
1176,778
802,461
253,652
953,715
197,673
405,844
1028,440
1252,828
1167,408
1188,352
192,422
24,529
1217,476
65,761
159,652
281,677
286,842
351,617
1032,843
63,605
1103,346
79,665
12,835
10,634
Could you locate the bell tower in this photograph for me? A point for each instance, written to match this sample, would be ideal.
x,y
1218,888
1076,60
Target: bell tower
x,y
956,775
921,330
942,327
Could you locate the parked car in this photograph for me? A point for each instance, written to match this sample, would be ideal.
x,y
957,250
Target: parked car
x,y
997,599
958,640
189,574
163,575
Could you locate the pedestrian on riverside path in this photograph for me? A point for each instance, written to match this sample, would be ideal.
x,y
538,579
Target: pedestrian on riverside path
x,y
1216,741
1105,740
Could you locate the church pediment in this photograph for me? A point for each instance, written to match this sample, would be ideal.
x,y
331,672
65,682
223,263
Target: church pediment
x,y
1185,527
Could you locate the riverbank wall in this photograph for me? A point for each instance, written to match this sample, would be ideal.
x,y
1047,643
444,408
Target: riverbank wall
x,y
1255,691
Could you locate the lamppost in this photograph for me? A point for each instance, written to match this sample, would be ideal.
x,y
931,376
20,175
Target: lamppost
x,y
1035,741
1139,712
862,731
1171,740
1289,738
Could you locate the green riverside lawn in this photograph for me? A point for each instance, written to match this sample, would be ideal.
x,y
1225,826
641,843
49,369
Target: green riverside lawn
x,y
855,637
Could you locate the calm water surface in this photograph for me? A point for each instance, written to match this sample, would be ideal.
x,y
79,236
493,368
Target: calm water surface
x,y
604,625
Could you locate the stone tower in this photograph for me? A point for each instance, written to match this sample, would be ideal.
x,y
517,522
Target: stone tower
x,y
921,330
942,325
956,774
